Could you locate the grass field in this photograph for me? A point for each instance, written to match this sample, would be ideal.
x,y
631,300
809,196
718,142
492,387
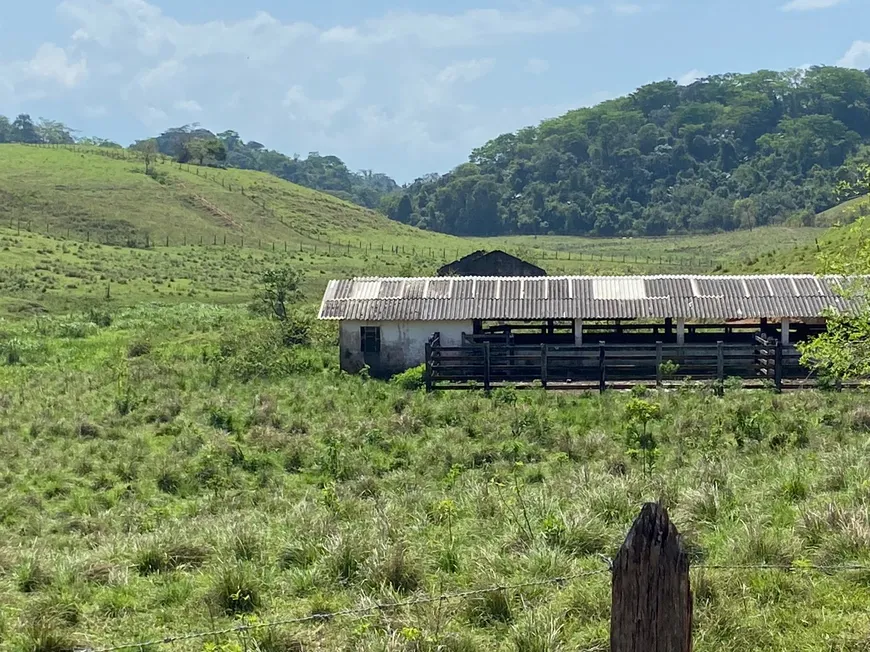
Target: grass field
x,y
74,194
171,470
172,465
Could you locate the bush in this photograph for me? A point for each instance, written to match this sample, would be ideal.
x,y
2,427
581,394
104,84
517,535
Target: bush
x,y
31,576
412,379
488,608
138,348
157,558
236,590
399,571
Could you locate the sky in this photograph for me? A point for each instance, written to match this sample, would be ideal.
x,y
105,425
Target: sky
x,y
406,88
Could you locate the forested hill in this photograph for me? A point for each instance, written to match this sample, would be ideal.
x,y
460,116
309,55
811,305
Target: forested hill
x,y
324,173
726,152
191,143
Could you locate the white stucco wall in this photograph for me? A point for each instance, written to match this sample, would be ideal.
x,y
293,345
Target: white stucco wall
x,y
403,344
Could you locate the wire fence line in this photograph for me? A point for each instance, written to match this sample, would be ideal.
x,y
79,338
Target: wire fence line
x,y
353,611
349,248
378,607
212,174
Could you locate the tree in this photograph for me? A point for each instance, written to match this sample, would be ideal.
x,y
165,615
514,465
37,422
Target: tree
x,y
148,149
403,210
5,129
23,130
54,132
843,351
674,158
196,149
216,149
746,213
281,288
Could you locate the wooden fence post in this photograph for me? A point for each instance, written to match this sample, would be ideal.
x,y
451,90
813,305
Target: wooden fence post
x,y
486,367
602,368
720,366
651,596
544,365
428,372
658,364
778,366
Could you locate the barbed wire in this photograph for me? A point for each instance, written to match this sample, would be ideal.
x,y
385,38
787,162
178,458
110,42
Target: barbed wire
x,y
447,597
353,611
798,566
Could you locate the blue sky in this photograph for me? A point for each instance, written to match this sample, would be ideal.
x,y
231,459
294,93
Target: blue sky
x,y
404,88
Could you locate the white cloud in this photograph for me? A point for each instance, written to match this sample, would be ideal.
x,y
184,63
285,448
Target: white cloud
x,y
468,28
189,106
465,71
810,5
51,62
400,86
536,66
691,77
858,56
323,112
627,9
95,111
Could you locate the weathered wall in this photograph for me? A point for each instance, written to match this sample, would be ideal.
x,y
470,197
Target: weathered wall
x,y
403,344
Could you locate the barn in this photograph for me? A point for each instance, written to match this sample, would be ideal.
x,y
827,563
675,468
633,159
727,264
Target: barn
x,y
491,263
572,329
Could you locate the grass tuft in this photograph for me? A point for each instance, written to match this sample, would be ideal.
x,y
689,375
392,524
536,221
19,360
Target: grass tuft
x,y
236,590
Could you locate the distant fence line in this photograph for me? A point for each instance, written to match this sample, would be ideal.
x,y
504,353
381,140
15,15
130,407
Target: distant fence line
x,y
349,248
147,241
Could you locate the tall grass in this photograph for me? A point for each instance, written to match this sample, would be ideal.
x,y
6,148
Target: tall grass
x,y
219,496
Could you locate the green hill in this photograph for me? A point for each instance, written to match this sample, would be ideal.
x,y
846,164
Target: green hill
x,y
76,226
726,152
60,190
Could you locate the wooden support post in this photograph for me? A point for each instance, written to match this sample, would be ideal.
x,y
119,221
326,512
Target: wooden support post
x,y
778,367
720,368
602,368
659,364
544,365
486,367
651,595
428,373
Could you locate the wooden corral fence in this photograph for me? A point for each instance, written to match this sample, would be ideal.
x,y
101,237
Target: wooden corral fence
x,y
603,365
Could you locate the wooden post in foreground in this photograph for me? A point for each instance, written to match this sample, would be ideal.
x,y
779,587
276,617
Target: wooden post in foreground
x,y
652,600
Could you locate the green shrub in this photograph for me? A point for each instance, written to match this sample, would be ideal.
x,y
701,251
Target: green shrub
x,y
236,590
300,554
489,608
138,348
412,379
31,576
158,558
398,570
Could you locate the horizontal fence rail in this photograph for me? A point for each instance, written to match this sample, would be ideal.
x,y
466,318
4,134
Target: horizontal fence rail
x,y
491,364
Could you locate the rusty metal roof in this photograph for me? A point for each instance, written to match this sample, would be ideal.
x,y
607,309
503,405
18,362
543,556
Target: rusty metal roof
x,y
581,297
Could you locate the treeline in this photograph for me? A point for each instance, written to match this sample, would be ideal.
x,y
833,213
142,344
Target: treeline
x,y
192,144
726,152
23,129
326,173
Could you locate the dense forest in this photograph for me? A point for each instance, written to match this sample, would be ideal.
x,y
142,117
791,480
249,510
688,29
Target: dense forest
x,y
726,152
190,143
326,173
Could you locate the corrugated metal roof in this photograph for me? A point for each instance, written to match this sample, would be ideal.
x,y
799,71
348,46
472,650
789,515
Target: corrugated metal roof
x,y
581,297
